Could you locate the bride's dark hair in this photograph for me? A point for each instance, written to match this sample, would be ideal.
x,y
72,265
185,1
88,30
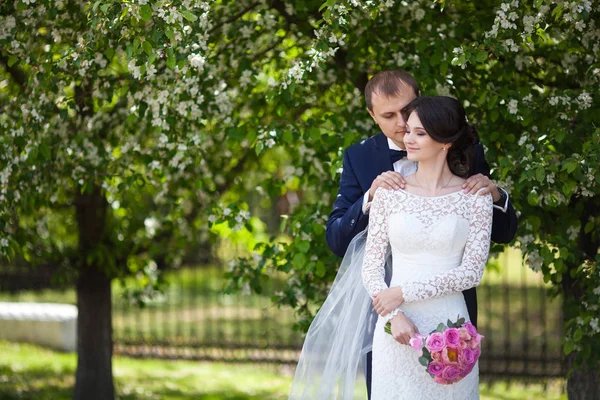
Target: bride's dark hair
x,y
445,121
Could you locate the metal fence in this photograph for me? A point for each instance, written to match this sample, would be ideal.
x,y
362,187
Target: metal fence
x,y
193,319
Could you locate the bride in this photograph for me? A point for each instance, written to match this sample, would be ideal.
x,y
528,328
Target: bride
x,y
438,238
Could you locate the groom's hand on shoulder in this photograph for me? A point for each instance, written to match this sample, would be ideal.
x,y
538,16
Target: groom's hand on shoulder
x,y
479,181
387,180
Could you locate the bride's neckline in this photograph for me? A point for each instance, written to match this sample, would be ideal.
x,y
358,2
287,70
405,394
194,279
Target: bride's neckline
x,y
431,197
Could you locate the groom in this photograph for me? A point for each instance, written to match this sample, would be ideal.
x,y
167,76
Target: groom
x,y
379,161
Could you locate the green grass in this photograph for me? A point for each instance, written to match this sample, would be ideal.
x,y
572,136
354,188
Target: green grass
x,y
30,372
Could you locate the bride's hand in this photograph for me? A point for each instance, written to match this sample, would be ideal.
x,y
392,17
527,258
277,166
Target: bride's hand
x,y
403,328
388,300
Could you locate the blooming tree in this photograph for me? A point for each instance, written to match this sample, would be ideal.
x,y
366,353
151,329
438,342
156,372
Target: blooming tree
x,y
130,127
529,76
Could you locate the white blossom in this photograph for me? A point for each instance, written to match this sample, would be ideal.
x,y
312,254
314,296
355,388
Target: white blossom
x,y
584,100
197,61
512,106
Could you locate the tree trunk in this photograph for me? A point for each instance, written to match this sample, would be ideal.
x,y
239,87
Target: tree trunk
x,y
583,384
93,380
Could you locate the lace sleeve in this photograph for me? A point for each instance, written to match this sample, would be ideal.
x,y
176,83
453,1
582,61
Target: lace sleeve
x,y
373,271
468,274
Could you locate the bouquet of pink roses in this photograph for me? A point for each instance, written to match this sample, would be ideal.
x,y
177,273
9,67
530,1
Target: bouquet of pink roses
x,y
450,352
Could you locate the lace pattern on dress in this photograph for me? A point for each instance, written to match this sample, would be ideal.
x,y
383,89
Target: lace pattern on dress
x,y
429,210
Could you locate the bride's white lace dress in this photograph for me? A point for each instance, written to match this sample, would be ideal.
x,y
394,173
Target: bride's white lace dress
x,y
439,248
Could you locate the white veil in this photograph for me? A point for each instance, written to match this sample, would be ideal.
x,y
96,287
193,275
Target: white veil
x,y
331,365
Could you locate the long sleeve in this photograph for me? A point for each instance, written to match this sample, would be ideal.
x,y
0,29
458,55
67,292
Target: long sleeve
x,y
504,226
468,274
347,218
373,270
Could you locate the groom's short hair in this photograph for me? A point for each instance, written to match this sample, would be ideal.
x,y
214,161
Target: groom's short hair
x,y
389,83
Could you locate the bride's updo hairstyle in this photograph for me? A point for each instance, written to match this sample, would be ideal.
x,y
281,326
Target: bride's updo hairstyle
x,y
445,121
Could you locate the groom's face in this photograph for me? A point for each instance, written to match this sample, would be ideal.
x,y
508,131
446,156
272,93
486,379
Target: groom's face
x,y
386,112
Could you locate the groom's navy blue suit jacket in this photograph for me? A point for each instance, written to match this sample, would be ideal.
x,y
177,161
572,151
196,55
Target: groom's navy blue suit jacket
x,y
363,162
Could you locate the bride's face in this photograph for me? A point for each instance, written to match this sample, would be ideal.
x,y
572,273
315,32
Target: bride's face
x,y
419,145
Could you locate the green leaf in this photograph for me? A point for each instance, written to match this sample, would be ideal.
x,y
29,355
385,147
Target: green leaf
x,y
258,148
388,328
492,102
320,269
189,16
318,229
540,174
482,56
298,261
12,60
314,133
147,46
569,347
533,198
423,361
589,226
441,327
109,53
570,165
304,246
146,12
283,223
288,137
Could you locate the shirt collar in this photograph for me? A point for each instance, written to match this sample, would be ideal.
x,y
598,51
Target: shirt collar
x,y
392,145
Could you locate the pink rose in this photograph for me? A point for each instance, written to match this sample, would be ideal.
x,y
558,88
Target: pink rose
x,y
436,356
464,344
464,334
468,356
450,373
470,328
452,336
467,370
440,380
435,342
416,342
435,368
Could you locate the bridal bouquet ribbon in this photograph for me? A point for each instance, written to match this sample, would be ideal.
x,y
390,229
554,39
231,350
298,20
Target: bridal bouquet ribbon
x,y
450,352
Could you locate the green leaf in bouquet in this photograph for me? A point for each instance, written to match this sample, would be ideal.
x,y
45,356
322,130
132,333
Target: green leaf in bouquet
x,y
441,327
450,324
426,353
424,361
388,327
460,322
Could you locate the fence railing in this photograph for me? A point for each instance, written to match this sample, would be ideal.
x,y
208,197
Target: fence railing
x,y
193,319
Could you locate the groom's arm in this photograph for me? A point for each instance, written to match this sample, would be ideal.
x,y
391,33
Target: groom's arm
x,y
347,218
504,225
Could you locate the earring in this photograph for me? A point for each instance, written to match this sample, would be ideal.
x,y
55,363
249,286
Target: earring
x,y
444,148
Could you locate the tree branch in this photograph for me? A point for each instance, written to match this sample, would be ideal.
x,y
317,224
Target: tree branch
x,y
234,17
